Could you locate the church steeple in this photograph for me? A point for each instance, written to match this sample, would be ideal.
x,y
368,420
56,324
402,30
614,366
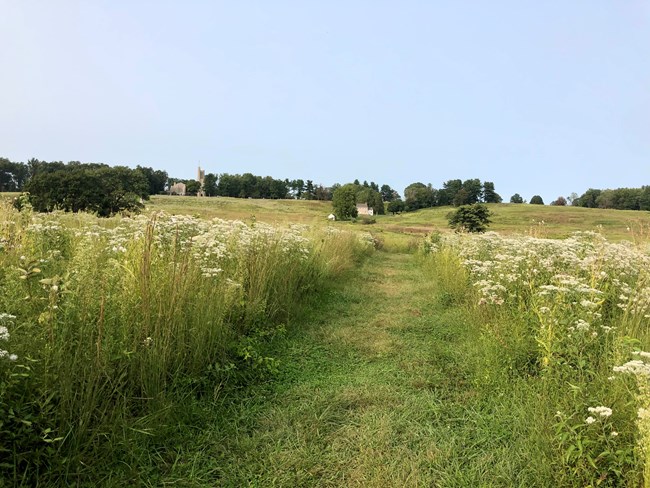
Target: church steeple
x,y
201,179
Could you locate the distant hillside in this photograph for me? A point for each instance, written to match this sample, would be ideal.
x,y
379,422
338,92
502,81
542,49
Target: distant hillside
x,y
539,220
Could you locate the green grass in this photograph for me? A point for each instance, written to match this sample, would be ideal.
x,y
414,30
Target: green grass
x,y
558,222
270,211
380,385
387,377
114,328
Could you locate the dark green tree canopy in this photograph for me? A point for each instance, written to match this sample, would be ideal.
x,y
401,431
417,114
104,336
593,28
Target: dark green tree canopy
x,y
157,179
536,200
449,191
396,206
388,194
88,187
489,194
344,201
471,191
470,218
13,176
210,185
418,195
516,198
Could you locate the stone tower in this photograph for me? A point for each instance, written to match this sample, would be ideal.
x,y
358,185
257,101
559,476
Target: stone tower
x,y
201,179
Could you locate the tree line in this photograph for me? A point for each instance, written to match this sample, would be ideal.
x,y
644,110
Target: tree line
x,y
249,185
94,187
453,192
619,199
106,190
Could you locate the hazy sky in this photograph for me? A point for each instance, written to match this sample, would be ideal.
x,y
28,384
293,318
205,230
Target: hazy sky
x,y
539,97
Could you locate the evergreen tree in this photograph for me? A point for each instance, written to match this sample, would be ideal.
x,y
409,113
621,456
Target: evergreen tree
x,y
489,195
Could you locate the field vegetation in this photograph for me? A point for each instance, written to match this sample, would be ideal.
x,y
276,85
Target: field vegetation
x,y
237,342
535,220
111,328
568,320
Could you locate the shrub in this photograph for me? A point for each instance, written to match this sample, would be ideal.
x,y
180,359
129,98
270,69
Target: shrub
x,y
471,218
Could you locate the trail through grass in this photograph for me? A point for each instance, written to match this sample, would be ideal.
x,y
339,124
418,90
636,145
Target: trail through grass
x,y
382,387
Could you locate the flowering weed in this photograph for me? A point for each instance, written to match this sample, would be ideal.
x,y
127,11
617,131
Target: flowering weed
x,y
565,312
114,323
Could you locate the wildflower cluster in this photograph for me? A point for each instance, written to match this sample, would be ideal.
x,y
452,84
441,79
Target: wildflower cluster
x,y
571,307
6,319
566,283
116,313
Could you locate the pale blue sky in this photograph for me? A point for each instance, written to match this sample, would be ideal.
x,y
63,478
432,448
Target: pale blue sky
x,y
539,97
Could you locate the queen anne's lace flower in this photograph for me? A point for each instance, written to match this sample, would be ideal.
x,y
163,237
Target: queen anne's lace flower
x,y
602,411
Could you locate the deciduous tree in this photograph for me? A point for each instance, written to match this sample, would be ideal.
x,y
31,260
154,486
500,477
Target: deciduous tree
x,y
344,202
536,200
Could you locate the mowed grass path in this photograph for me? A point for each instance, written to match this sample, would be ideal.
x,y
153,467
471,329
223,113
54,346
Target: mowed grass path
x,y
379,387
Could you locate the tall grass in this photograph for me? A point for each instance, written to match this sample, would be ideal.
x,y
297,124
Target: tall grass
x,y
570,318
111,326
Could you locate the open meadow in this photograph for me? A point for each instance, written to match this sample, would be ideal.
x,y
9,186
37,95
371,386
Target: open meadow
x,y
521,219
227,342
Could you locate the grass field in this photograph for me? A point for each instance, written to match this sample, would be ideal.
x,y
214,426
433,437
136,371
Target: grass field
x,y
176,350
536,220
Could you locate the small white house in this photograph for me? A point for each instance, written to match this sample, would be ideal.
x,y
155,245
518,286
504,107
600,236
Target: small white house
x,y
331,217
178,189
364,209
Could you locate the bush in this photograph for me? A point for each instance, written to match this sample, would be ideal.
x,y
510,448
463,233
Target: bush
x,y
471,218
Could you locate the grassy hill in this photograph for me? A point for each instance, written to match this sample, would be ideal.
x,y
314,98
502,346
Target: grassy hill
x,y
537,220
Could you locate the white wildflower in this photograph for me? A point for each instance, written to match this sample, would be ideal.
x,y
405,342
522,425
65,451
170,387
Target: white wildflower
x,y
635,366
602,411
590,420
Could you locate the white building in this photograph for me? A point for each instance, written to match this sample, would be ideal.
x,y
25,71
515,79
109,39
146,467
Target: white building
x,y
178,189
364,209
